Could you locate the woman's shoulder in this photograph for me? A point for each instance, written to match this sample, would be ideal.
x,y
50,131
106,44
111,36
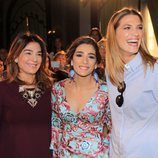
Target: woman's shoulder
x,y
103,85
8,87
59,86
6,83
59,83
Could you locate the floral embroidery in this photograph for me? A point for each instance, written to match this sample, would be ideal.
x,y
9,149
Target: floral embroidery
x,y
80,134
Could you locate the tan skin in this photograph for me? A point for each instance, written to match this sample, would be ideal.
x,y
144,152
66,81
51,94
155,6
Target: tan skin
x,y
129,35
79,91
29,62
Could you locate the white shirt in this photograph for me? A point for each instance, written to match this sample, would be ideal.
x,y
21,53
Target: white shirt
x,y
135,124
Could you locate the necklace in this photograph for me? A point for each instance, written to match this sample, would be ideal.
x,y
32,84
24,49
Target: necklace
x,y
31,92
31,95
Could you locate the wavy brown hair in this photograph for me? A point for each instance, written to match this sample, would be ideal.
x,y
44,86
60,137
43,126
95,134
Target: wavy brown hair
x,y
18,44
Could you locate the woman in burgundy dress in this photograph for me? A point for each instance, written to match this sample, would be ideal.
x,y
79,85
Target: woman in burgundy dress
x,y
25,108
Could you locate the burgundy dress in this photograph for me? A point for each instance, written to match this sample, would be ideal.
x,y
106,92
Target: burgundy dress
x,y
24,130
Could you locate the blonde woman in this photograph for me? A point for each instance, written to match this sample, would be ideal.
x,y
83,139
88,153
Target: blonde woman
x,y
132,76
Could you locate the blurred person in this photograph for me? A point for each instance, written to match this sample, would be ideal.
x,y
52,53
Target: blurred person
x,y
25,103
3,56
62,59
58,45
95,33
102,50
2,71
81,121
132,76
60,67
48,68
101,66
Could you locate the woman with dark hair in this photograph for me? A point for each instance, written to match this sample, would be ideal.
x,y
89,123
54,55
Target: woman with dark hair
x,y
25,108
81,119
132,78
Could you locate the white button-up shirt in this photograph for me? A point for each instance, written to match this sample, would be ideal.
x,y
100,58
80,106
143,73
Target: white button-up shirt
x,y
135,124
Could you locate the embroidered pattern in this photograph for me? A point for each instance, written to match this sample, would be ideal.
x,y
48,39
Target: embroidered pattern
x,y
30,95
80,135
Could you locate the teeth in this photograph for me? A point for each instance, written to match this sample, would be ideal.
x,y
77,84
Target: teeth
x,y
132,41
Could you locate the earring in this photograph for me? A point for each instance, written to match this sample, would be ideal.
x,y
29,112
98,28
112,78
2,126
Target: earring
x,y
71,74
95,75
16,60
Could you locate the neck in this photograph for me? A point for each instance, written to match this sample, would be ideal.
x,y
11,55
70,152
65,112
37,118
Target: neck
x,y
84,81
128,58
30,80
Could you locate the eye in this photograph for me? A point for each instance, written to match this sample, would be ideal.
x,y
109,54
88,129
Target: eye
x,y
140,27
27,52
79,55
92,56
39,54
127,28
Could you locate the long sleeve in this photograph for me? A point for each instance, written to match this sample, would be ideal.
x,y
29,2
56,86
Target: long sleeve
x,y
107,117
107,121
56,131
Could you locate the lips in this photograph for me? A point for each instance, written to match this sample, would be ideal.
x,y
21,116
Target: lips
x,y
33,65
133,42
84,67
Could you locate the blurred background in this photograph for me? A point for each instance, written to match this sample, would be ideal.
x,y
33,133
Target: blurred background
x,y
69,19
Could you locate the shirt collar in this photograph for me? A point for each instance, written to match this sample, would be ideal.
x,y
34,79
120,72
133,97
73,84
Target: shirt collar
x,y
134,63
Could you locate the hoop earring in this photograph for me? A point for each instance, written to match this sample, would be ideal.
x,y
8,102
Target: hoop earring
x,y
95,75
71,73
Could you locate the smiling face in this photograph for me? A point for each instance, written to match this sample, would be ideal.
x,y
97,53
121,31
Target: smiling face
x,y
129,34
29,61
84,60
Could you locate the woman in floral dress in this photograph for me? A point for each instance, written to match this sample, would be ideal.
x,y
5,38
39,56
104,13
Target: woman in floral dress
x,y
81,118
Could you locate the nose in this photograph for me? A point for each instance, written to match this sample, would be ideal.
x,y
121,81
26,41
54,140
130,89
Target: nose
x,y
136,32
85,60
34,57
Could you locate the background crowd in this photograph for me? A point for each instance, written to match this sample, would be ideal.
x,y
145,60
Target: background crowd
x,y
97,98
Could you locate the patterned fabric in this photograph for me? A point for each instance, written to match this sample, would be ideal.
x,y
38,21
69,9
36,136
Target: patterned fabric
x,y
31,96
80,135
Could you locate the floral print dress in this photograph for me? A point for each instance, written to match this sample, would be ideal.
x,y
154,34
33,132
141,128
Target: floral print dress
x,y
80,135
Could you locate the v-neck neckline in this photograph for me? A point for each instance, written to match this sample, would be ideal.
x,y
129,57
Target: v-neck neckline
x,y
83,107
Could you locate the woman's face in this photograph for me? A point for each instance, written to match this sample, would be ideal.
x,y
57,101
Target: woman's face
x,y
84,60
129,34
29,61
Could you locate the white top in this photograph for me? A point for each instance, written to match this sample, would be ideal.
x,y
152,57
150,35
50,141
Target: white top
x,y
135,124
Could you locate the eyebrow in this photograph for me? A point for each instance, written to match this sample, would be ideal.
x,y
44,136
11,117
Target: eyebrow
x,y
83,53
28,50
40,51
131,24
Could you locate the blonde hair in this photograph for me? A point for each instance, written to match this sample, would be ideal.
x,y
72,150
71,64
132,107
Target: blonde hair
x,y
102,42
114,61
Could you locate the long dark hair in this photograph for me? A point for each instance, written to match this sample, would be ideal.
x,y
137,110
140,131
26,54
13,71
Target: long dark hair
x,y
18,44
83,40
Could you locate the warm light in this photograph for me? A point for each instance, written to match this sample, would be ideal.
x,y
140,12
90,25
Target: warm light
x,y
51,32
151,40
